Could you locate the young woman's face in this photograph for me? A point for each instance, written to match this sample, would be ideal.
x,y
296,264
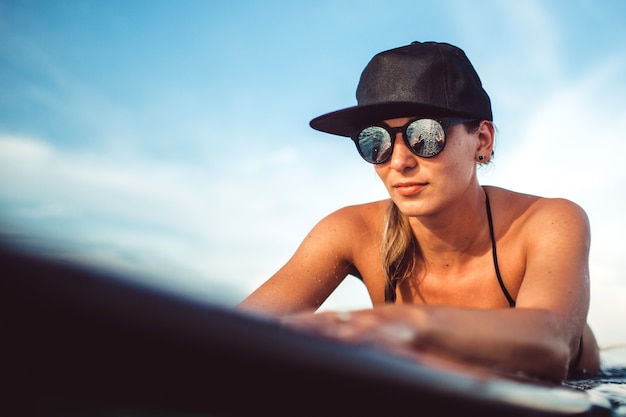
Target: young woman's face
x,y
423,186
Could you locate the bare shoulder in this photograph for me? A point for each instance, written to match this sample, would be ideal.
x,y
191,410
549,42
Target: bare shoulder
x,y
358,216
350,228
537,214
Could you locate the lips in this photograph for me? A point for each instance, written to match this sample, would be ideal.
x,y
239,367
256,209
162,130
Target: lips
x,y
409,188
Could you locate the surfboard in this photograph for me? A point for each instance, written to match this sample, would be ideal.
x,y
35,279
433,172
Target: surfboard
x,y
82,341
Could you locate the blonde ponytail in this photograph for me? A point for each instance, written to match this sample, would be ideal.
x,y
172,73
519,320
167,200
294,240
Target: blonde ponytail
x,y
399,250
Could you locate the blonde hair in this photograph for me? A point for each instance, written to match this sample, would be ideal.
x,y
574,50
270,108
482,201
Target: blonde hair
x,y
399,250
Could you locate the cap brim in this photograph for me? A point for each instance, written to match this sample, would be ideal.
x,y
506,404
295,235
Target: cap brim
x,y
347,121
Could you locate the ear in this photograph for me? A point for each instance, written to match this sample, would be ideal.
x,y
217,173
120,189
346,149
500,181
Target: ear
x,y
486,139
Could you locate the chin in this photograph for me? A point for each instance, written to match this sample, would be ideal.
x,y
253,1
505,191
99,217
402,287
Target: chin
x,y
411,208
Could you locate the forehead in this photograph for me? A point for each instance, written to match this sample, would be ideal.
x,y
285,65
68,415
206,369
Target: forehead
x,y
399,121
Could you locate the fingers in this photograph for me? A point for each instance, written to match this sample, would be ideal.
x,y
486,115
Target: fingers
x,y
396,334
343,317
359,327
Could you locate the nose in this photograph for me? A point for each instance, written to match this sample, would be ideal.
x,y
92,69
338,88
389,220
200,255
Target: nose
x,y
401,156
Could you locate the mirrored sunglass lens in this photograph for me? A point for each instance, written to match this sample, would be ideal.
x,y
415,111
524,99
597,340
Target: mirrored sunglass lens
x,y
375,144
426,137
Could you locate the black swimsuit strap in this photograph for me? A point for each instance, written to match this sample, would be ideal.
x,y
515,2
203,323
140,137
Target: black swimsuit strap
x,y
495,253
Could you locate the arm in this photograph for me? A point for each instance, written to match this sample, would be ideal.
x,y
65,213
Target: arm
x,y
539,337
321,262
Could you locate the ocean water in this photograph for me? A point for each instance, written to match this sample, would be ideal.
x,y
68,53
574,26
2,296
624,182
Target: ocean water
x,y
610,382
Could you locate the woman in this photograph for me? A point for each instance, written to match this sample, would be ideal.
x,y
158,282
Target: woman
x,y
475,274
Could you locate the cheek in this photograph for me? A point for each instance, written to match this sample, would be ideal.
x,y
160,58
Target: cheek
x,y
381,172
461,153
458,163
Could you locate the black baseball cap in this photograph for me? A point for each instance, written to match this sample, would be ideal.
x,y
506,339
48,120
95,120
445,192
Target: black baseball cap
x,y
423,79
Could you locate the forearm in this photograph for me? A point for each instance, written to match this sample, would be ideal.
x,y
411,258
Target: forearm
x,y
535,342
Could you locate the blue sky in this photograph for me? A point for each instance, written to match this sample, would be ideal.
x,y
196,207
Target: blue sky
x,y
170,139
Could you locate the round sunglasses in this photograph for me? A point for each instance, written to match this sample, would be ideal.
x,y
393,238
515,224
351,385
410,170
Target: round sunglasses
x,y
424,137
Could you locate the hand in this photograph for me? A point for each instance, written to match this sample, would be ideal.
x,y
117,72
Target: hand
x,y
384,327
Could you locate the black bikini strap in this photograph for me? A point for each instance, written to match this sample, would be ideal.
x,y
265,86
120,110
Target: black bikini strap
x,y
495,254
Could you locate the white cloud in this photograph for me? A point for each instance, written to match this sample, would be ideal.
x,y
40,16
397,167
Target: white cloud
x,y
195,227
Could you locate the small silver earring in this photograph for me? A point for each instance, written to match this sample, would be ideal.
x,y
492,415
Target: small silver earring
x,y
481,157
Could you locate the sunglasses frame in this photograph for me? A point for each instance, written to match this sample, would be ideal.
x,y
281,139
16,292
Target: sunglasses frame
x,y
444,122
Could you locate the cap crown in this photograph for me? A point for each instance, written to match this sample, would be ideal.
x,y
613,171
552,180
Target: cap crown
x,y
429,79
